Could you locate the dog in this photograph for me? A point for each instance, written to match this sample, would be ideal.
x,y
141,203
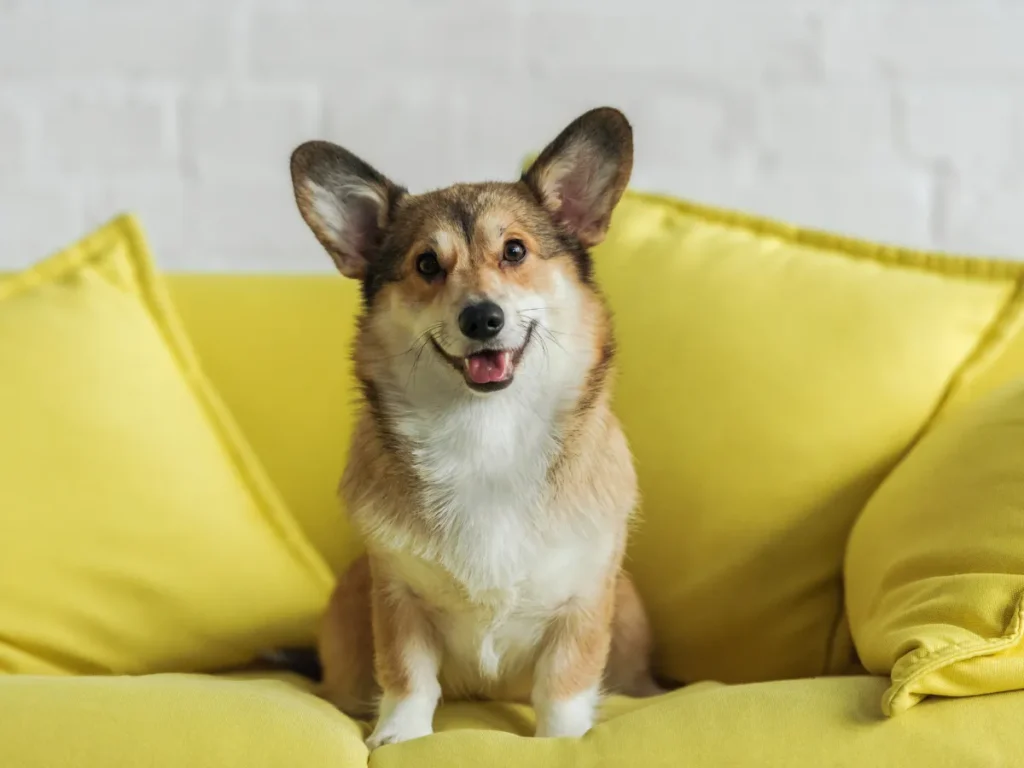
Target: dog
x,y
491,482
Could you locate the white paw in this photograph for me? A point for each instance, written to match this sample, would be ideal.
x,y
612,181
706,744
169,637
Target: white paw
x,y
553,728
567,717
395,730
404,718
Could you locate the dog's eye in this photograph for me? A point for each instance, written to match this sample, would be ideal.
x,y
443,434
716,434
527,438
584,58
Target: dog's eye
x,y
515,251
428,265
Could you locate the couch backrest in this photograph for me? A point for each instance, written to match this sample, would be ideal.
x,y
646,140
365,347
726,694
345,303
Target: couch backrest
x,y
277,349
769,379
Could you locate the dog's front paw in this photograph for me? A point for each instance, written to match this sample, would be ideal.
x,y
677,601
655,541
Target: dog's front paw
x,y
553,728
395,730
405,717
573,716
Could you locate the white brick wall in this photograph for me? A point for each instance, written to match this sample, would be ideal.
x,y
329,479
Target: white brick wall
x,y
901,120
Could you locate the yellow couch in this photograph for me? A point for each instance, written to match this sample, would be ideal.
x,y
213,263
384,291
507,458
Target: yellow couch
x,y
771,379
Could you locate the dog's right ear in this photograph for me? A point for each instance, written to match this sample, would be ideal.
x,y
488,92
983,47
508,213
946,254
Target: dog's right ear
x,y
344,201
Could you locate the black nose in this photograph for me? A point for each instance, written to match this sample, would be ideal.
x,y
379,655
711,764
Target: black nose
x,y
482,321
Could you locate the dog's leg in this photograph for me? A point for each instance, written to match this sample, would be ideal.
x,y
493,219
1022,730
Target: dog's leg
x,y
567,677
629,660
346,644
407,661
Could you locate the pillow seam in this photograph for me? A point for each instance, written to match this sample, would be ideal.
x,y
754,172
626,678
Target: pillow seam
x,y
57,265
974,359
977,268
989,347
954,653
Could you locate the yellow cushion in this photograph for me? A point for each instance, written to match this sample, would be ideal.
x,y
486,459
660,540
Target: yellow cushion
x,y
769,379
935,567
138,531
169,721
788,724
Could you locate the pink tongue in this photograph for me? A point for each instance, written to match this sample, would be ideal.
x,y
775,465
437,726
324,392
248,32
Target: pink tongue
x,y
485,367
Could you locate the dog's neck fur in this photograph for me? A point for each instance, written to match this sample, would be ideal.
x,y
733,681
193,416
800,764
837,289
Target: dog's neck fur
x,y
486,467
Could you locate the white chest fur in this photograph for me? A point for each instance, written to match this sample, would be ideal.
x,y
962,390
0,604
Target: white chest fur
x,y
500,559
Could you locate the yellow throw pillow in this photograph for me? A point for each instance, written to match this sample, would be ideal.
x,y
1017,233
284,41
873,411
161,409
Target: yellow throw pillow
x,y
935,565
137,531
769,379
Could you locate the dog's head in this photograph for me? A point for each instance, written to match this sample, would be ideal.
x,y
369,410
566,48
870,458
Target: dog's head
x,y
480,279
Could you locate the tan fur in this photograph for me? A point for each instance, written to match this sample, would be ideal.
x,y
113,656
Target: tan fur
x,y
347,645
495,528
400,624
576,647
628,670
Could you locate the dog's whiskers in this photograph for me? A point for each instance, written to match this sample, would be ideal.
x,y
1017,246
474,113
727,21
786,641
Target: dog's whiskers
x,y
417,345
421,344
547,333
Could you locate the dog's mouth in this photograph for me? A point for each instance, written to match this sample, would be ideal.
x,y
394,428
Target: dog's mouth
x,y
489,369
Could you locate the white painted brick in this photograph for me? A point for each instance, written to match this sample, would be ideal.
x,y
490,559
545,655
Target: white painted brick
x,y
342,47
246,132
827,128
126,41
499,122
671,10
158,202
831,113
14,142
926,39
383,7
694,131
677,129
729,40
36,219
964,126
983,216
107,133
409,131
888,206
248,226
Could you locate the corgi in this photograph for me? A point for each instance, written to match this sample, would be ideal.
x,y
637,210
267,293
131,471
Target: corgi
x,y
487,475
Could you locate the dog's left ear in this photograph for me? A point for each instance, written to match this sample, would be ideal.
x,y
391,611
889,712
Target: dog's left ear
x,y
581,175
345,201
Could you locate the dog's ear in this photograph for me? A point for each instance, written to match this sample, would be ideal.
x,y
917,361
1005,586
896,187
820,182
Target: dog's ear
x,y
344,201
581,175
